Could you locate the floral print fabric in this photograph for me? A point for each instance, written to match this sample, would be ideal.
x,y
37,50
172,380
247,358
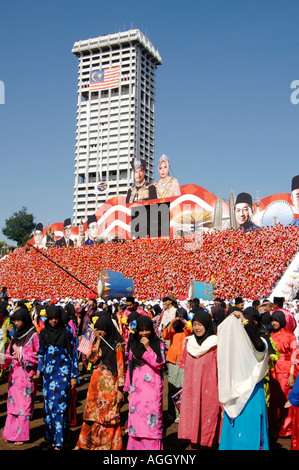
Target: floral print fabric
x,y
57,367
21,392
146,397
101,428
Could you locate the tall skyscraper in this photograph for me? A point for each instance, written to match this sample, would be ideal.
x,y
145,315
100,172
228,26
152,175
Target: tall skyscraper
x,y
115,116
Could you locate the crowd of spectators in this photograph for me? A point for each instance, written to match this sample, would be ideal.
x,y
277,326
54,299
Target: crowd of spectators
x,y
237,263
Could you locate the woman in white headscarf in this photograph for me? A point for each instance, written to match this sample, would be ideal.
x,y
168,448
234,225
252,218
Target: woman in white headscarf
x,y
167,186
242,358
200,416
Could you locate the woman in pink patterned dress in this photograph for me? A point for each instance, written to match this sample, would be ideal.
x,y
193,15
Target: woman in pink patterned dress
x,y
144,381
22,357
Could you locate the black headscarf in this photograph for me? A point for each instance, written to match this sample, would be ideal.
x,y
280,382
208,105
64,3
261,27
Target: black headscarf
x,y
3,308
58,335
65,317
252,314
108,357
182,314
133,316
21,336
157,309
218,313
70,310
206,320
138,349
279,316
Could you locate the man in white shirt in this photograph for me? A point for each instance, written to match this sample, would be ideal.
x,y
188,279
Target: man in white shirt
x,y
169,310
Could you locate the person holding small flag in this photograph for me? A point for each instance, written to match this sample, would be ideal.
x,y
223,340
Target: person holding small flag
x,y
91,310
86,341
144,384
101,428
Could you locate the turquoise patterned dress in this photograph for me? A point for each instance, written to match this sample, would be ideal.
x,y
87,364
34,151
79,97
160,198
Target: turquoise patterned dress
x,y
58,368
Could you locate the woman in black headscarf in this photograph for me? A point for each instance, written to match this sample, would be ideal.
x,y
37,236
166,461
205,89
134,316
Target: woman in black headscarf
x,y
138,342
202,323
278,320
218,315
24,327
101,428
200,403
144,381
255,329
55,332
109,338
58,365
22,357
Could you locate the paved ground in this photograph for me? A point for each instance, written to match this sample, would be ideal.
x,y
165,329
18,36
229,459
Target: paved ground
x,y
170,440
37,435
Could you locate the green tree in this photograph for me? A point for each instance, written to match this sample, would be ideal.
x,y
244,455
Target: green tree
x,y
19,227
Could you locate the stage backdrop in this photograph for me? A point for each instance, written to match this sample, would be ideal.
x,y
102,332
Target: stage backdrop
x,y
191,212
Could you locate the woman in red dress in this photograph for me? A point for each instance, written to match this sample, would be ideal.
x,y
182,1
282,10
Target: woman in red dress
x,y
282,377
200,416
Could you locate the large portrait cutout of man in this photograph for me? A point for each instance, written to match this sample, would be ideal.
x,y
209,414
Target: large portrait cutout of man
x,y
92,230
38,236
141,191
66,240
244,212
295,197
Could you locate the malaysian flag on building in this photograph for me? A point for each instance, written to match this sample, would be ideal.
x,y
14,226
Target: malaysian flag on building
x,y
104,78
86,341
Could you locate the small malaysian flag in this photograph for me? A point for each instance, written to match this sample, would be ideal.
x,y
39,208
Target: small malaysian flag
x,y
104,78
86,341
177,399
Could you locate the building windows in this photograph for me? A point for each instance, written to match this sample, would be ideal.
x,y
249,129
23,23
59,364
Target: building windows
x,y
113,134
81,179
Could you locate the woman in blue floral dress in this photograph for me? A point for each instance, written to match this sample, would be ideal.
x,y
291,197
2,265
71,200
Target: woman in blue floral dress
x,y
58,366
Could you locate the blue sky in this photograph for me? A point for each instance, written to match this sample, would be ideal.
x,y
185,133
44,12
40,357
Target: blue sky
x,y
223,109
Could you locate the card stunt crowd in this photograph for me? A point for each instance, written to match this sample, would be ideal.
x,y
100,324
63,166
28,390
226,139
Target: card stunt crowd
x,y
231,370
239,265
231,365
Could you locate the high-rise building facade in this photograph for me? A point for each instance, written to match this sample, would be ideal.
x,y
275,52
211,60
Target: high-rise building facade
x,y
115,116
